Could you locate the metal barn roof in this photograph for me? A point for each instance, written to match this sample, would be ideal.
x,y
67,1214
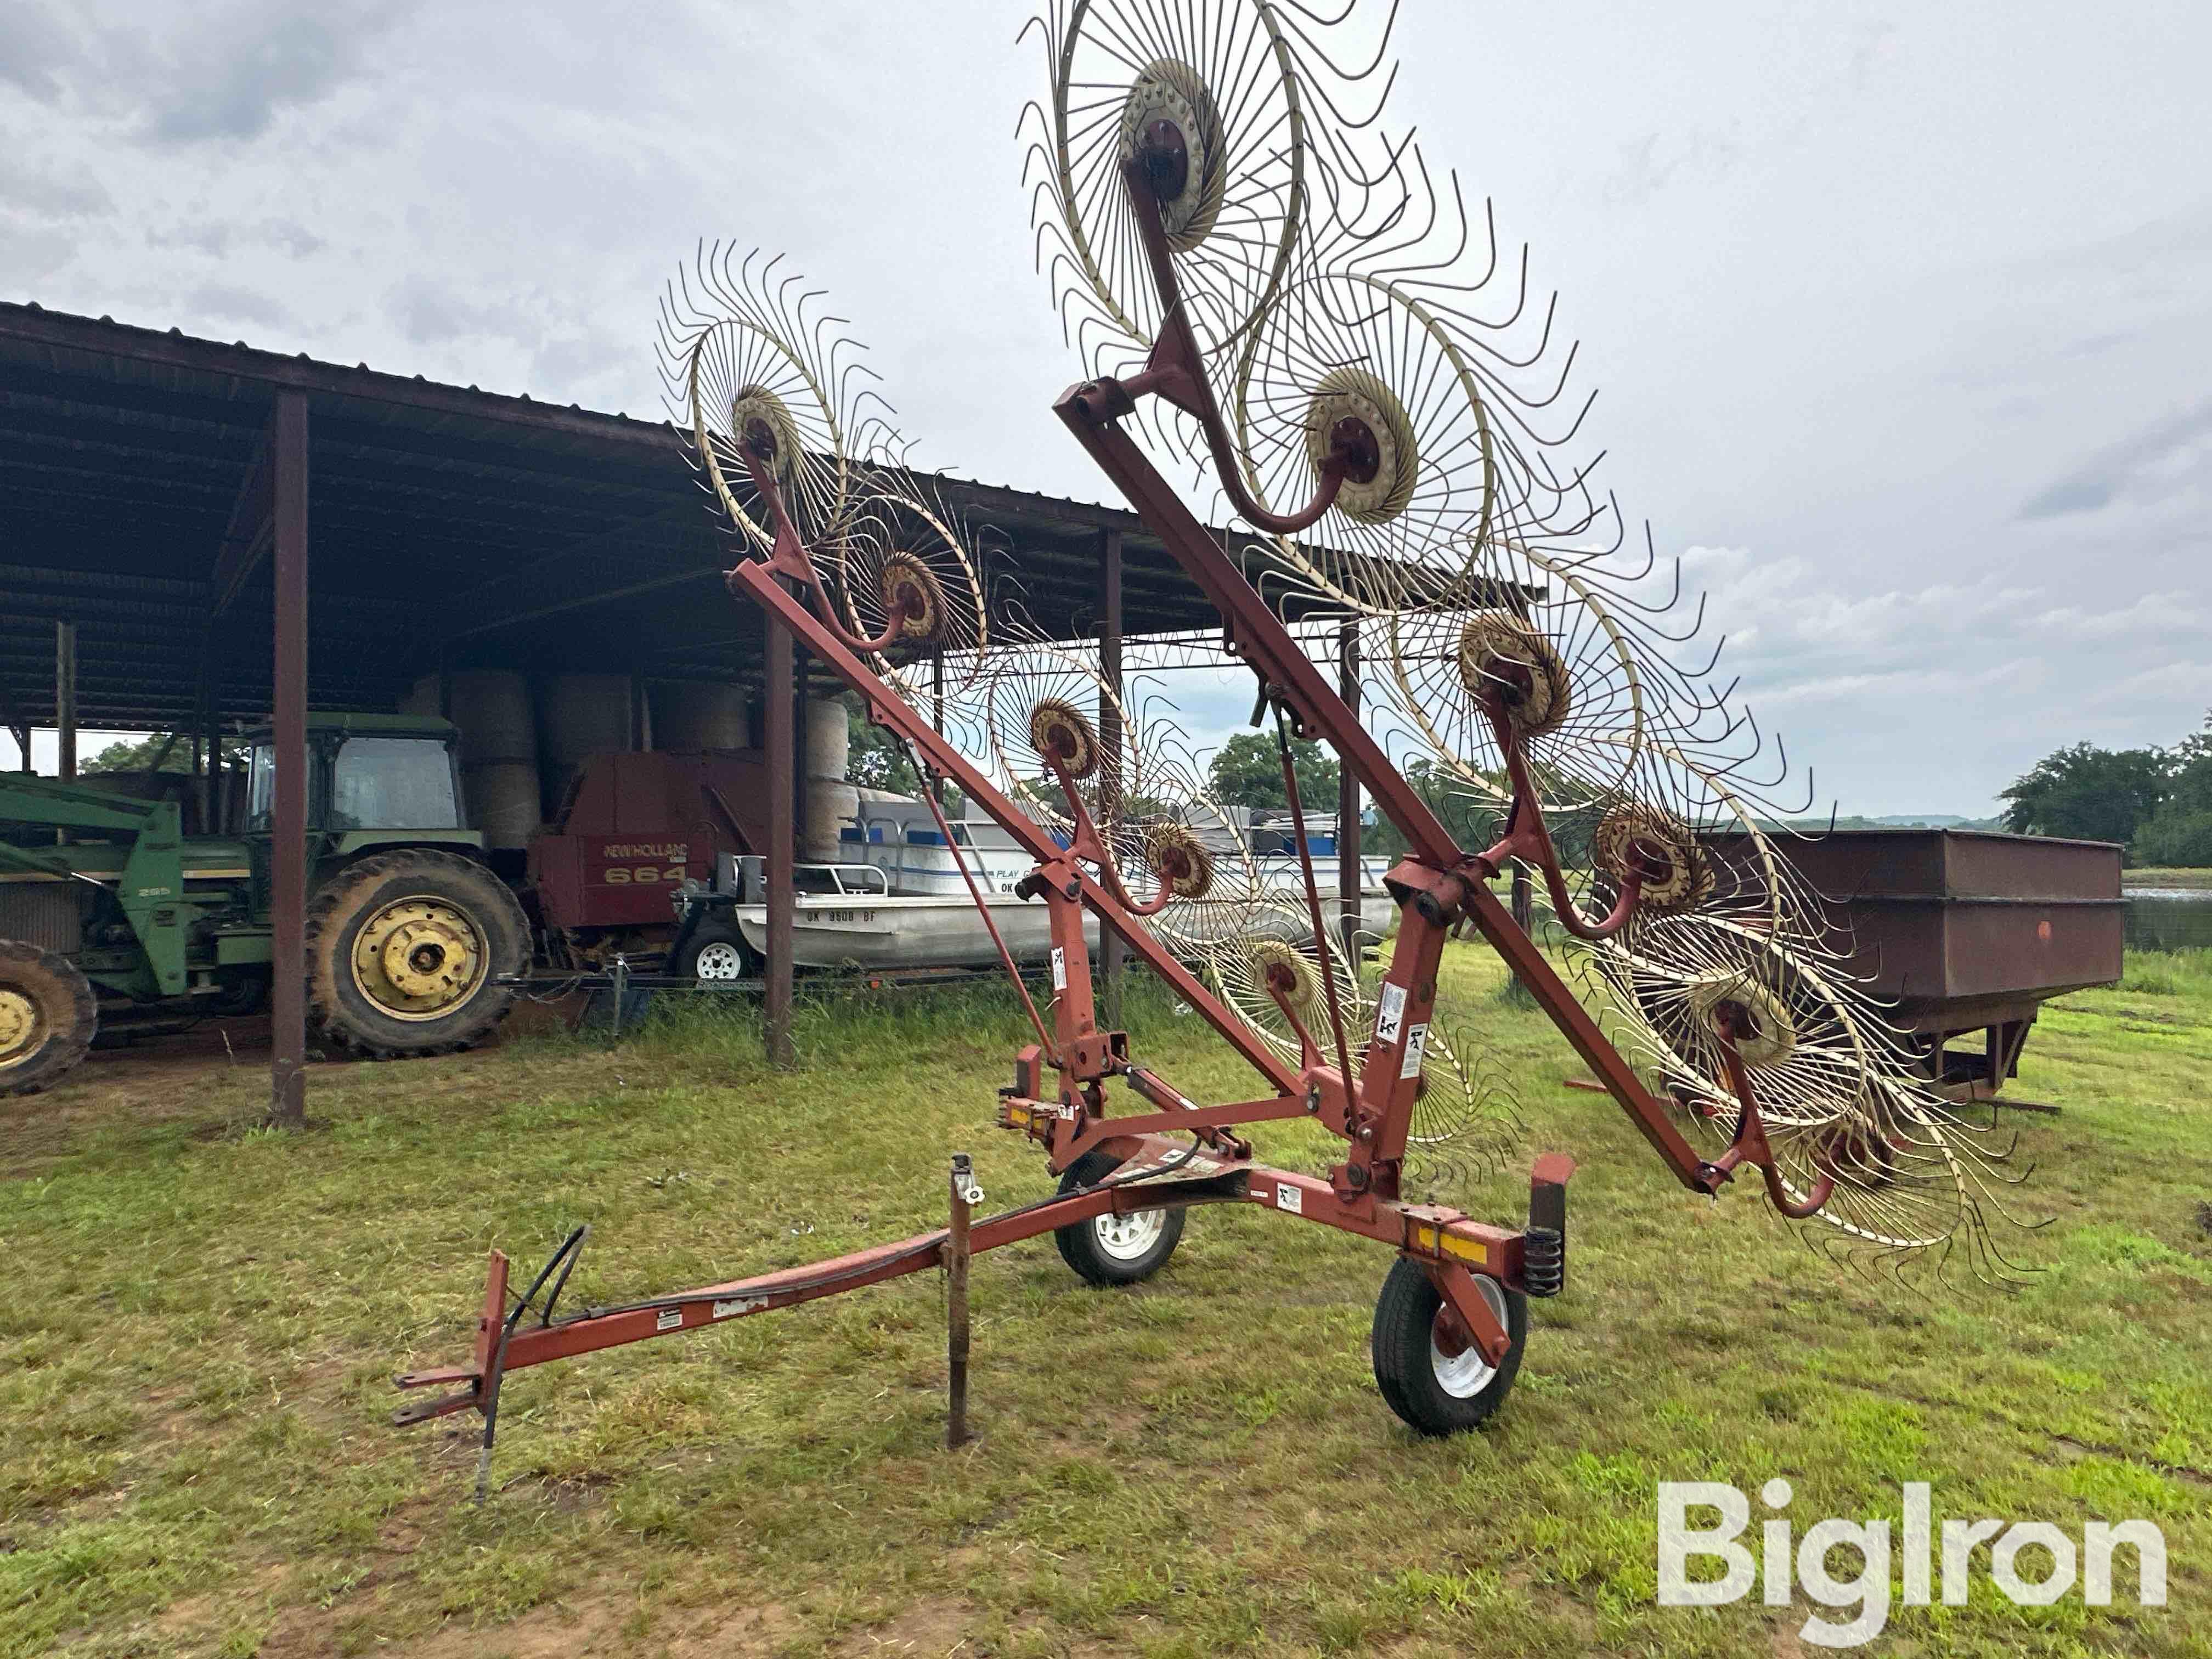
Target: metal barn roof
x,y
447,527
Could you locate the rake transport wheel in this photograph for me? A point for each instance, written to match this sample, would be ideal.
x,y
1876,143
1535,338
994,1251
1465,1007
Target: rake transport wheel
x,y
47,1017
404,951
1114,1250
1431,1376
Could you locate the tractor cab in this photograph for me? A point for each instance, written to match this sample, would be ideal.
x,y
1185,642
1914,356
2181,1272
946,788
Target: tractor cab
x,y
372,779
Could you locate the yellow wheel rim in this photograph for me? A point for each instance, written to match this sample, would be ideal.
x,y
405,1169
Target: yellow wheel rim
x,y
419,958
22,1031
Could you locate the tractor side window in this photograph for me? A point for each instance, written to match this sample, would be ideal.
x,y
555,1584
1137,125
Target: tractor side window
x,y
261,788
393,783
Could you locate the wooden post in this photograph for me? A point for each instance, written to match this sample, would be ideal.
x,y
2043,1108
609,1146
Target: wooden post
x,y
1112,953
288,895
781,742
1348,882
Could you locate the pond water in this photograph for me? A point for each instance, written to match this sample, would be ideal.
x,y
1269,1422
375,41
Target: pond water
x,y
2169,918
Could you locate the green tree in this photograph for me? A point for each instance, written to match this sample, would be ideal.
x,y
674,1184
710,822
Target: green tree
x,y
139,757
1247,771
876,759
2176,839
2180,831
2089,793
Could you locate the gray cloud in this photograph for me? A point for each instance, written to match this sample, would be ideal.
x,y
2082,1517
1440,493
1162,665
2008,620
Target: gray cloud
x,y
1649,164
228,301
430,312
73,192
35,51
190,75
214,89
219,237
2159,462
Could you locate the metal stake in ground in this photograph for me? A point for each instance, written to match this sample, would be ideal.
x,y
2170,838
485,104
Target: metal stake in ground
x,y
966,1195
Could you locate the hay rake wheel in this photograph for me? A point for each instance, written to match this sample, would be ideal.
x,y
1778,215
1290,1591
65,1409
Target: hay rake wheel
x,y
1462,503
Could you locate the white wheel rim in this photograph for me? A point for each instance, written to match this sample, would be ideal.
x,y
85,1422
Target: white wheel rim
x,y
1466,1374
1127,1238
719,960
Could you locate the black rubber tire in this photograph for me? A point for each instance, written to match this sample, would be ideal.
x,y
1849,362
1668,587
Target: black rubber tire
x,y
345,1016
67,1016
1405,1318
1081,1248
686,965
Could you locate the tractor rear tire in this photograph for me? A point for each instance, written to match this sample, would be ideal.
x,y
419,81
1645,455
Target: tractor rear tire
x,y
1432,1392
48,1017
404,951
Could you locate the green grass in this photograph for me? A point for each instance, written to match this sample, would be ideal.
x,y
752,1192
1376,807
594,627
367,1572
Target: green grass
x,y
2169,973
198,1320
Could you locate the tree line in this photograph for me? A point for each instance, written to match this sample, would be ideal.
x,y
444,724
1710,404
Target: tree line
x,y
2157,801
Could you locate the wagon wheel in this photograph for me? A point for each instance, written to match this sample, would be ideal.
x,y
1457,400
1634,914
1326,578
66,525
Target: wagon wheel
x,y
1114,1250
1429,1373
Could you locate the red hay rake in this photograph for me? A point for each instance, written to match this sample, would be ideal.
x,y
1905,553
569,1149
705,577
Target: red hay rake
x,y
1451,1319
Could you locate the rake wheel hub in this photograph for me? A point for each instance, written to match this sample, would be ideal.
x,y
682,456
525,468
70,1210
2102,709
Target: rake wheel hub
x,y
1356,424
1171,127
1166,159
1505,663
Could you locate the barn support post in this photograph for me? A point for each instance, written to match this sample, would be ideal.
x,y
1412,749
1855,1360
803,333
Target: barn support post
x,y
1348,882
65,696
778,737
213,816
18,722
287,895
1113,955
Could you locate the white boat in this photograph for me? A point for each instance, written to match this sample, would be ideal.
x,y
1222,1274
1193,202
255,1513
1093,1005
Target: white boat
x,y
889,930
900,837
850,920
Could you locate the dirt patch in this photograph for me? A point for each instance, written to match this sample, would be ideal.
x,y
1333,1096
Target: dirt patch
x,y
928,1630
601,1624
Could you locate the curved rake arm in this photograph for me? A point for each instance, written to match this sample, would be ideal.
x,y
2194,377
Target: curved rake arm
x,y
1087,844
1750,1144
1528,839
789,555
1175,372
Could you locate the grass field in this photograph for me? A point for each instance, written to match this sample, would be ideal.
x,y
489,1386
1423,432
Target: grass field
x,y
199,1319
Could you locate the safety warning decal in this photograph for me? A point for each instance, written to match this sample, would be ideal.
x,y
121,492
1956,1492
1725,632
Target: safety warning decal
x,y
1416,1041
1390,1014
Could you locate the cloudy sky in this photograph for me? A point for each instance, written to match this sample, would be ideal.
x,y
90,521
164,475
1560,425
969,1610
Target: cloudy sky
x,y
1900,316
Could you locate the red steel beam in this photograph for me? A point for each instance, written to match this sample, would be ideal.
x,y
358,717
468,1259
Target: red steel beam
x,y
1092,411
886,709
1435,1234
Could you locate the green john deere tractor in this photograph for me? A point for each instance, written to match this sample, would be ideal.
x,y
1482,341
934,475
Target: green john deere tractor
x,y
408,932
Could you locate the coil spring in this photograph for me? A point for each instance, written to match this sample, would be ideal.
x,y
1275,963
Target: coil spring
x,y
1543,1261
